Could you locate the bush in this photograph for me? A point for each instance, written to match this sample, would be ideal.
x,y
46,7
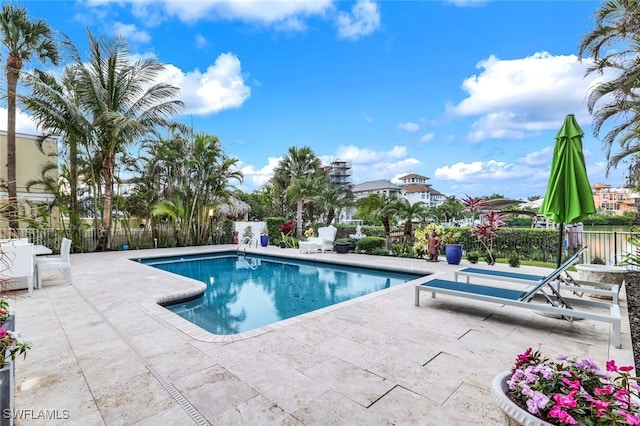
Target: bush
x,y
380,252
514,259
369,244
597,260
473,256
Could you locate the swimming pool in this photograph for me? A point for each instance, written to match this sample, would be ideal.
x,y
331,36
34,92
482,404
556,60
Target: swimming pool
x,y
245,292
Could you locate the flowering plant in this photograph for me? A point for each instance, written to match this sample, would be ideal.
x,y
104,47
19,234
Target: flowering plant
x,y
310,233
5,310
570,391
11,345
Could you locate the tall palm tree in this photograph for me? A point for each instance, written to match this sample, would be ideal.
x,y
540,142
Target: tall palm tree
x,y
614,46
55,107
293,167
125,104
23,40
302,190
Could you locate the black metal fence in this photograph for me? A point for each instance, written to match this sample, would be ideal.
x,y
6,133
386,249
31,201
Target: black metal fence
x,y
610,247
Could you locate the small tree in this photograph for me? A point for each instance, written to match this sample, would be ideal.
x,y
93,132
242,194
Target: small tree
x,y
486,232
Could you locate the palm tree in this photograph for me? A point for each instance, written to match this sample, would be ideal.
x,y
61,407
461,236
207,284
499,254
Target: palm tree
x,y
616,101
333,198
407,211
378,207
55,107
303,189
298,163
23,39
125,104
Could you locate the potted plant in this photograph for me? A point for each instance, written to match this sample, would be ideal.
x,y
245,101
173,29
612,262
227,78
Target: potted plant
x,y
264,237
566,391
11,346
452,246
473,256
343,245
514,259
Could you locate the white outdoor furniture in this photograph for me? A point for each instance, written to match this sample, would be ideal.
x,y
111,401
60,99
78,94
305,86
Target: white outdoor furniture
x,y
308,247
17,262
61,263
326,237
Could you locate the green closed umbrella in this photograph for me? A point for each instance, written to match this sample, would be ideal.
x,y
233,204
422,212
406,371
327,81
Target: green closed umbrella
x,y
569,198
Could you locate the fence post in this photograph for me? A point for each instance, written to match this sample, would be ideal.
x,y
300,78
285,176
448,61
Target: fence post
x,y
615,247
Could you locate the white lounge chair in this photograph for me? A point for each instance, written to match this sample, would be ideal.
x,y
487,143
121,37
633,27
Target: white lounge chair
x,y
543,298
564,281
61,263
326,237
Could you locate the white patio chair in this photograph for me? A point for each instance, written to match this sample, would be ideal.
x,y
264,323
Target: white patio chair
x,y
61,263
326,237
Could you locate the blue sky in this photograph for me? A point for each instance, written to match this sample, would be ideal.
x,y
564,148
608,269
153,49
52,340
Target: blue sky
x,y
468,93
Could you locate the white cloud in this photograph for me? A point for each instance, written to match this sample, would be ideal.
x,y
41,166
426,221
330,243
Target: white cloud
x,y
368,164
130,32
409,126
427,137
538,158
517,98
255,178
282,14
201,41
467,3
465,172
363,20
24,122
220,87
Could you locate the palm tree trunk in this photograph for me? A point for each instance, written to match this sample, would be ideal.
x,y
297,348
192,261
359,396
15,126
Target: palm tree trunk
x,y
104,240
299,218
12,82
76,233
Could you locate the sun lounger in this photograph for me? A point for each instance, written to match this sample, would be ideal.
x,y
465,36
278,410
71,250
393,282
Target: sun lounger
x,y
564,281
543,298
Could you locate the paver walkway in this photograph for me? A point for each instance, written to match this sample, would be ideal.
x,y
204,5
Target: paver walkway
x,y
105,353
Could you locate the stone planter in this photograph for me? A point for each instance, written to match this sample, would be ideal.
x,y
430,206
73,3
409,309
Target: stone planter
x,y
7,378
343,247
601,273
513,414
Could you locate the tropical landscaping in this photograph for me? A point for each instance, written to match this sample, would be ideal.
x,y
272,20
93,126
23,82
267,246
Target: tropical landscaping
x,y
116,126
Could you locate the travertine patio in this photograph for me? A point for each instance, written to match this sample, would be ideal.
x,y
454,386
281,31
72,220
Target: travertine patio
x,y
105,353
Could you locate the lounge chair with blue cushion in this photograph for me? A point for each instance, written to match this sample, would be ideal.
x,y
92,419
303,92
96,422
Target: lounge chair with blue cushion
x,y
564,281
543,298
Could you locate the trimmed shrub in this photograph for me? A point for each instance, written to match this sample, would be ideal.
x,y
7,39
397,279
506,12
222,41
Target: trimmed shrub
x,y
370,244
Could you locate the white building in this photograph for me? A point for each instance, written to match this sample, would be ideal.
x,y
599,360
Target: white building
x,y
416,189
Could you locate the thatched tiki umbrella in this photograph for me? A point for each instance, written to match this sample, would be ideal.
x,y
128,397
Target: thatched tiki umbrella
x,y
231,208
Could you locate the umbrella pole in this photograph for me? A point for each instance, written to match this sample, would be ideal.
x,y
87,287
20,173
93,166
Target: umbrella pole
x,y
559,260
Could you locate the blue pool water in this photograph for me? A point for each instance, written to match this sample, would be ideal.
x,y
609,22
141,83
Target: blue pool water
x,y
247,292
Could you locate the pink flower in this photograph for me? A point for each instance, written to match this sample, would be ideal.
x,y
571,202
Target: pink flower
x,y
605,390
558,413
630,418
565,400
611,365
573,384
